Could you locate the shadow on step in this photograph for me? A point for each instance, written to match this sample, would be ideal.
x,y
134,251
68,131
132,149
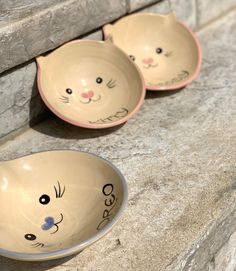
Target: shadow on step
x,y
161,94
9,264
60,129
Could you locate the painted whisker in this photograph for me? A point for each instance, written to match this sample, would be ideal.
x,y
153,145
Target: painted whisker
x,y
64,99
111,83
168,54
37,245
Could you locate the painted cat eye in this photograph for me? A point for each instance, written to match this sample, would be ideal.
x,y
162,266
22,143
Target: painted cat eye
x,y
132,57
159,50
44,199
99,80
30,237
69,91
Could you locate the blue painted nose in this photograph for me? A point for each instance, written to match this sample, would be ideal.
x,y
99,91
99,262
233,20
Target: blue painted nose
x,y
49,223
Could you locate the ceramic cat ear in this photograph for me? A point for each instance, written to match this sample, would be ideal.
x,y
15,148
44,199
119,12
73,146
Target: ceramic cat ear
x,y
171,17
40,60
108,32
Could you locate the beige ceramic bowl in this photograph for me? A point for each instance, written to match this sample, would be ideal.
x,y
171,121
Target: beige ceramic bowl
x,y
92,84
166,51
56,203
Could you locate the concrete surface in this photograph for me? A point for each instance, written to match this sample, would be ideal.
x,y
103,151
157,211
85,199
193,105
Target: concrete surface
x,y
185,10
133,5
178,155
208,10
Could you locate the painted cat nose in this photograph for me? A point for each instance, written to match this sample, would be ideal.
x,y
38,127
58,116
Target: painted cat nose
x,y
49,223
148,60
88,94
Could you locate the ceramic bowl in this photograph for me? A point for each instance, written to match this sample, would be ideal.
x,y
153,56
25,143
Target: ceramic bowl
x,y
56,203
92,84
166,51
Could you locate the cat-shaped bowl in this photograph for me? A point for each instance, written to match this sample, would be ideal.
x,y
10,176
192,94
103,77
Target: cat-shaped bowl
x,y
92,84
56,203
166,51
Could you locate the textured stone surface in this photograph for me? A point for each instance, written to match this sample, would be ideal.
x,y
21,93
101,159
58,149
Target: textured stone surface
x,y
185,10
225,259
44,28
15,10
208,10
133,5
20,100
178,155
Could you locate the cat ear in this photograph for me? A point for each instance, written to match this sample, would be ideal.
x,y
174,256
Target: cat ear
x,y
171,17
108,30
41,61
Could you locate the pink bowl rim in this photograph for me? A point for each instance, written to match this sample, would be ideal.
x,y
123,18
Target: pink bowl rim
x,y
195,39
86,125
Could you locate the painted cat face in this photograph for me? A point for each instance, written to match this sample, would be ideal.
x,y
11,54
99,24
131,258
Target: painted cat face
x,y
87,86
164,49
70,197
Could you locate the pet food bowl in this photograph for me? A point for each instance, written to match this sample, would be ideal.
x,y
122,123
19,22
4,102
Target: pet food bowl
x,y
166,51
56,203
92,84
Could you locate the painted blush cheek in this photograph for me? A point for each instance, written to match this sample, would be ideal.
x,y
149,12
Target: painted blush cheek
x,y
90,94
84,95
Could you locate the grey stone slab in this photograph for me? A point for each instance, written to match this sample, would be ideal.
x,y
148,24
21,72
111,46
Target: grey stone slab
x,y
46,27
178,155
208,10
185,10
225,259
14,10
20,103
133,5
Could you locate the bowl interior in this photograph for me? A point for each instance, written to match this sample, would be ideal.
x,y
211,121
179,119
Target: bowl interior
x,y
56,200
90,83
163,48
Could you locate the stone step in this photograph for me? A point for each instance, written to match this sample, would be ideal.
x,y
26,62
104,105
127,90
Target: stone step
x,y
29,28
178,155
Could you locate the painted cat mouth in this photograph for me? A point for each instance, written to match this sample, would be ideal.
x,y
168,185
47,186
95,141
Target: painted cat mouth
x,y
56,224
150,66
92,100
